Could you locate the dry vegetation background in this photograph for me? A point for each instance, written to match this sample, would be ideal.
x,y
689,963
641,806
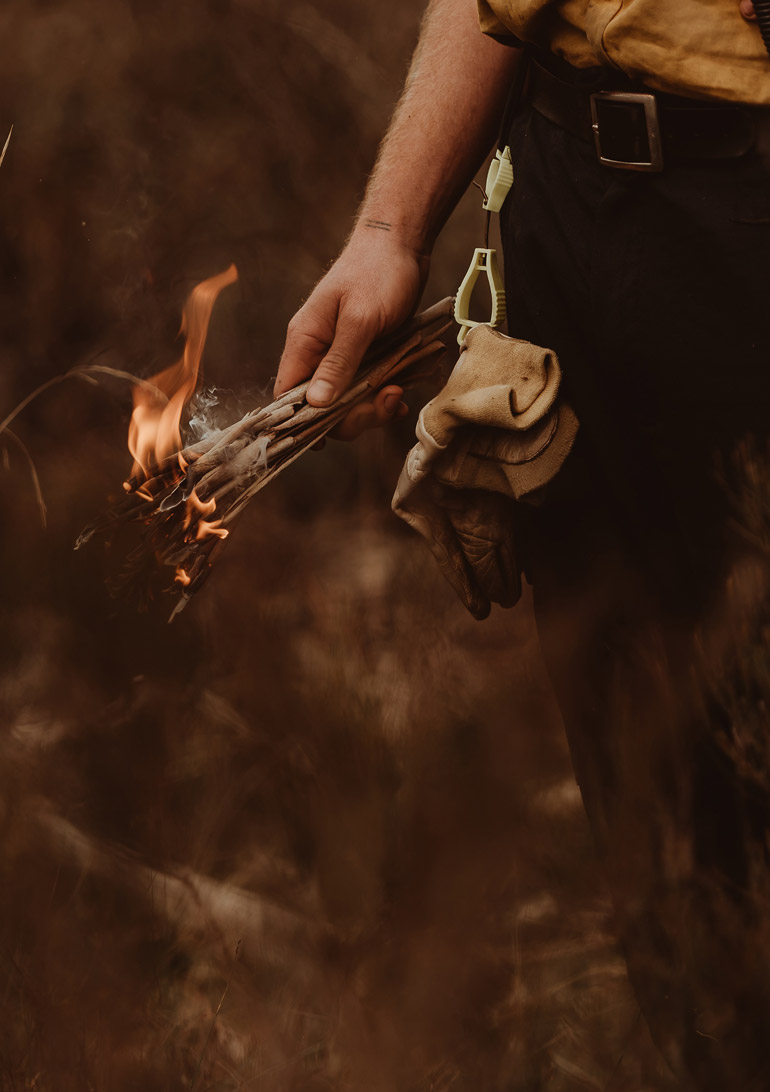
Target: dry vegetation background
x,y
321,833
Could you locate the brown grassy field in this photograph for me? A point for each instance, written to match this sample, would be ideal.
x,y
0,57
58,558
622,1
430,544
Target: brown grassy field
x,y
321,833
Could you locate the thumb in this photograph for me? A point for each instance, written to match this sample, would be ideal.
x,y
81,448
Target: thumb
x,y
333,375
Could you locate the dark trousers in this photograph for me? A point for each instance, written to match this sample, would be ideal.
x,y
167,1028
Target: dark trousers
x,y
648,562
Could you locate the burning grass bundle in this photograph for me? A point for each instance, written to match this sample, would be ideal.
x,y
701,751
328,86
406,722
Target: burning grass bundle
x,y
187,497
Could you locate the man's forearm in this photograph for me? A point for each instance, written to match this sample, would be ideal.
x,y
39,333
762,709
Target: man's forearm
x,y
443,126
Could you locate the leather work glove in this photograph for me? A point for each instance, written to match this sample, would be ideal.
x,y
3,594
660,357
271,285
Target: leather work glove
x,y
492,438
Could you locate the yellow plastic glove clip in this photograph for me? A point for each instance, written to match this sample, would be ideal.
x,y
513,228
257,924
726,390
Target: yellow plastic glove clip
x,y
484,261
499,180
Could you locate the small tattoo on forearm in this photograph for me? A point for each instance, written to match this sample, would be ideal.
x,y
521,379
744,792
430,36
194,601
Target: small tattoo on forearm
x,y
381,225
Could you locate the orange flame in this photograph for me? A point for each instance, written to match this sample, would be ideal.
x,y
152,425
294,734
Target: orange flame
x,y
153,433
206,528
195,506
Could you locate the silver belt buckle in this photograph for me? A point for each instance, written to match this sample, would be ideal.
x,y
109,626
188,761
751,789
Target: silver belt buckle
x,y
643,101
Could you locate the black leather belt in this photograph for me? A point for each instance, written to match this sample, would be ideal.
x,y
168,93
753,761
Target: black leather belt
x,y
634,128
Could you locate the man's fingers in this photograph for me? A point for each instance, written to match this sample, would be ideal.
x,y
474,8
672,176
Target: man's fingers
x,y
386,406
301,355
747,9
333,374
357,421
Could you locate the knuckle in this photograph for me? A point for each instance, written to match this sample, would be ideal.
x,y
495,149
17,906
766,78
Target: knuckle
x,y
336,365
312,323
298,327
361,315
304,342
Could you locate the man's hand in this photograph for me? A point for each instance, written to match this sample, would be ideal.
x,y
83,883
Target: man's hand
x,y
444,125
747,9
373,286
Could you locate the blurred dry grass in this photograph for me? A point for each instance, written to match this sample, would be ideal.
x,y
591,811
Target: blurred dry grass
x,y
360,836
321,833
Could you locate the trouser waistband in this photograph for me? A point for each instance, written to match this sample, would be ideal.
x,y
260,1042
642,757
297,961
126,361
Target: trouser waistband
x,y
636,128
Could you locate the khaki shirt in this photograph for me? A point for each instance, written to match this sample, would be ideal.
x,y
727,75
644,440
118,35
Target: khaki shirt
x,y
698,48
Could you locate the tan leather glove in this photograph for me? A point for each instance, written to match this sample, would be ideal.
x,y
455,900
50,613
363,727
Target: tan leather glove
x,y
495,435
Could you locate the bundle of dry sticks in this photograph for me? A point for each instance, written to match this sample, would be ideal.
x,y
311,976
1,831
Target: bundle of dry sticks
x,y
188,502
